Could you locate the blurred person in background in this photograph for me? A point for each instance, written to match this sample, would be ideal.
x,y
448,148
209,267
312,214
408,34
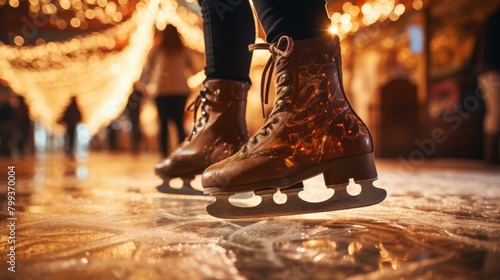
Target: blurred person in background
x,y
486,57
24,126
165,78
7,122
70,118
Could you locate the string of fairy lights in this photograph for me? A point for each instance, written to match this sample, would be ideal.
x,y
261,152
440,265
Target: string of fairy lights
x,y
353,17
99,68
77,12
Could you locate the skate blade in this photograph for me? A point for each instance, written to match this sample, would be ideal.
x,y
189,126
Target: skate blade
x,y
294,205
185,189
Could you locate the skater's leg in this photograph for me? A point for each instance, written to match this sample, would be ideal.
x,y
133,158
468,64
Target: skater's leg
x,y
177,114
70,137
162,109
229,29
299,19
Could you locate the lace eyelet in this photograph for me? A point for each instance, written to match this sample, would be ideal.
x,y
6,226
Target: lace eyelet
x,y
245,149
255,141
276,120
282,103
285,77
266,132
287,89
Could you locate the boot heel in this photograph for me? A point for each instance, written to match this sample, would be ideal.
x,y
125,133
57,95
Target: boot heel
x,y
360,167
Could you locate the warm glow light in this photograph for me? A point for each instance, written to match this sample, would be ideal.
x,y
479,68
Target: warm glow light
x,y
75,22
417,5
345,18
399,9
366,8
117,17
394,17
110,8
354,11
111,12
18,40
102,3
336,17
334,29
388,8
90,14
346,27
61,24
346,6
65,4
14,3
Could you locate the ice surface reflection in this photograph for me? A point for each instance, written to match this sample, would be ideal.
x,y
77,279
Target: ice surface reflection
x,y
440,222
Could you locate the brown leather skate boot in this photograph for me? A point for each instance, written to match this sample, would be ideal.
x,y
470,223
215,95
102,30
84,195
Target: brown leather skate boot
x,y
311,130
217,134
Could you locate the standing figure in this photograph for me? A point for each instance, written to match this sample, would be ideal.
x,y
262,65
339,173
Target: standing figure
x,y
7,122
168,64
71,117
25,127
487,58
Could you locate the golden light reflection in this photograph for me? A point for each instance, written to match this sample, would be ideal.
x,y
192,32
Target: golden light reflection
x,y
354,247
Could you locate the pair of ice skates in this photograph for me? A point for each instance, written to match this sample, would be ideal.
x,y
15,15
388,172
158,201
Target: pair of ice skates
x,y
312,129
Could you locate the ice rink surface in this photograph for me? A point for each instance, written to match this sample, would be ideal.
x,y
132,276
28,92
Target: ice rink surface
x,y
104,219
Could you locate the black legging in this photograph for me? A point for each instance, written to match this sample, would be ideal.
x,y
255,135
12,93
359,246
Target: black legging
x,y
70,136
229,29
170,107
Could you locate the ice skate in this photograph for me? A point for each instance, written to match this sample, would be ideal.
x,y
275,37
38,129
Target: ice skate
x,y
217,134
311,130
